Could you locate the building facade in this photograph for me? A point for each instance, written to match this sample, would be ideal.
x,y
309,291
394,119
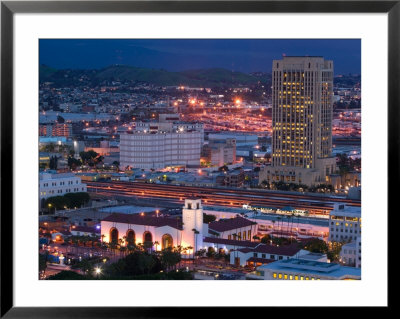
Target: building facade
x,y
344,223
55,129
303,269
350,254
220,152
159,232
142,149
233,178
302,102
58,185
264,254
166,143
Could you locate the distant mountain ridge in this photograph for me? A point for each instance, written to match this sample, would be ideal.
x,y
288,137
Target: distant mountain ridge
x,y
202,77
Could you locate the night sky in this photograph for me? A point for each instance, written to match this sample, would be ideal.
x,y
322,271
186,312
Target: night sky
x,y
178,55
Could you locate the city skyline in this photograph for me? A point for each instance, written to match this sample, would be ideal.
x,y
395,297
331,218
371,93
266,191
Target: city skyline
x,y
204,174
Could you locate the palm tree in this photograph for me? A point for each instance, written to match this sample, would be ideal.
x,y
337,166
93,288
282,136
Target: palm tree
x,y
279,229
179,249
122,249
131,247
291,225
120,243
234,247
217,235
189,248
255,212
273,226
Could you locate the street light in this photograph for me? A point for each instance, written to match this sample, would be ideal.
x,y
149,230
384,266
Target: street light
x,y
97,270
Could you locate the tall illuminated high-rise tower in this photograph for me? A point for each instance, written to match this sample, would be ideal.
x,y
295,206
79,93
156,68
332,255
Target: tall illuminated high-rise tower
x,y
302,103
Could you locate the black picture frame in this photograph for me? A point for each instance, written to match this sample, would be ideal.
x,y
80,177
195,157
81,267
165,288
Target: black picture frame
x,y
9,8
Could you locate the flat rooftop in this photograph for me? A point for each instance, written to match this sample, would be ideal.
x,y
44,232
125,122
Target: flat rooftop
x,y
313,268
349,211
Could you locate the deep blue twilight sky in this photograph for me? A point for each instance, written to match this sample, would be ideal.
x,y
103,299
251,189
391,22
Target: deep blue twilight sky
x,y
178,55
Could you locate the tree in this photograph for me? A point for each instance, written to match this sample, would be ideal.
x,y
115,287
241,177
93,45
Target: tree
x,y
201,252
279,228
195,233
325,188
85,265
208,218
43,261
73,163
266,184
211,252
148,245
49,148
53,162
316,246
266,239
91,158
77,199
169,258
60,119
333,253
136,263
116,164
67,275
56,202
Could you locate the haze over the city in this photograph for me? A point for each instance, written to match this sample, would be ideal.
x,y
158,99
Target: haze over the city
x,y
246,55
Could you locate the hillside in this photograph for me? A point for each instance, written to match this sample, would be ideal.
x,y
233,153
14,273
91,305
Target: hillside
x,y
204,77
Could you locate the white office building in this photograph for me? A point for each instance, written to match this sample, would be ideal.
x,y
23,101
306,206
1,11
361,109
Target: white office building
x,y
350,254
160,145
344,223
58,185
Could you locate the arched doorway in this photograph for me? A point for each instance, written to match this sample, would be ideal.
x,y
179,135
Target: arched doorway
x,y
114,235
166,241
147,237
130,237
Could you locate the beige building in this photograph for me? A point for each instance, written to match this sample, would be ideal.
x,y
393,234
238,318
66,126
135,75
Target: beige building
x,y
302,92
220,152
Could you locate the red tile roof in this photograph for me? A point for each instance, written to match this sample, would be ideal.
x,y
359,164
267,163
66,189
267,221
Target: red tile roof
x,y
230,224
223,241
136,219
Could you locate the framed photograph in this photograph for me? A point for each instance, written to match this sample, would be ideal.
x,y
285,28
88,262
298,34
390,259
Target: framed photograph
x,y
165,154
